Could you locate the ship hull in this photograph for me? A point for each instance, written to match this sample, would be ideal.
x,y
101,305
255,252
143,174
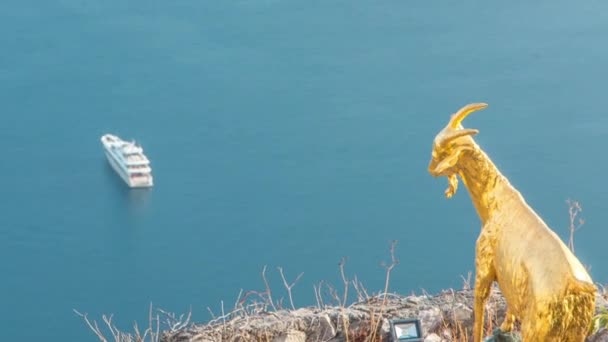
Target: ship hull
x,y
122,173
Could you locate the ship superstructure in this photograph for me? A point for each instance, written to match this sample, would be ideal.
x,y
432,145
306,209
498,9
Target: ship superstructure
x,y
128,160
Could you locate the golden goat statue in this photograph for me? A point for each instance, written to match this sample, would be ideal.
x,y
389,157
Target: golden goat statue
x,y
546,287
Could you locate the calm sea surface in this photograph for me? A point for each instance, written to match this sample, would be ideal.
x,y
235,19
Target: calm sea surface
x,y
282,133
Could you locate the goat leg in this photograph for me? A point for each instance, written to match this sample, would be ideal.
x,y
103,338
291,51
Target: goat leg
x,y
482,291
485,275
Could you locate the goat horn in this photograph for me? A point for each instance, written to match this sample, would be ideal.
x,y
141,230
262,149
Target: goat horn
x,y
464,112
460,133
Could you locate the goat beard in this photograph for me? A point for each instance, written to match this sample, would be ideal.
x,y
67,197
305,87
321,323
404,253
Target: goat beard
x,y
452,185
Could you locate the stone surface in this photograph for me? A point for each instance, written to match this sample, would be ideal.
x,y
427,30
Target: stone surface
x,y
430,319
385,329
325,331
440,316
291,336
500,336
462,313
600,336
433,338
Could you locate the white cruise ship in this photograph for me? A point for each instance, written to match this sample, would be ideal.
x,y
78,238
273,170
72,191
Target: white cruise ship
x,y
128,160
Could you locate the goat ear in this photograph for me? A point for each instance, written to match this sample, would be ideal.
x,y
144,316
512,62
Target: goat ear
x,y
460,133
450,161
447,163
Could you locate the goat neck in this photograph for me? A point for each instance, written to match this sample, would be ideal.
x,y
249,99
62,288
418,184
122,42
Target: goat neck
x,y
485,183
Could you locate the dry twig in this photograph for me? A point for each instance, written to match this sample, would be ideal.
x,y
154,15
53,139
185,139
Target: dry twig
x,y
466,282
344,280
268,293
318,295
574,208
92,325
290,286
362,294
394,262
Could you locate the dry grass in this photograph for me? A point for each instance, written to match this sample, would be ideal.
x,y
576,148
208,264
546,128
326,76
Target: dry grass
x,y
157,319
253,303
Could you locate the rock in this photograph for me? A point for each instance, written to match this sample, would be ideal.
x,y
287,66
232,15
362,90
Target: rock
x,y
416,300
385,329
433,338
430,320
321,329
462,313
500,336
600,302
600,336
291,336
446,335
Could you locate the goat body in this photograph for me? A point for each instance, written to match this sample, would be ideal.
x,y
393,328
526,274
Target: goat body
x,y
545,286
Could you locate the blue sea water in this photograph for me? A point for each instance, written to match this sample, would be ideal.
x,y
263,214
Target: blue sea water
x,y
282,133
